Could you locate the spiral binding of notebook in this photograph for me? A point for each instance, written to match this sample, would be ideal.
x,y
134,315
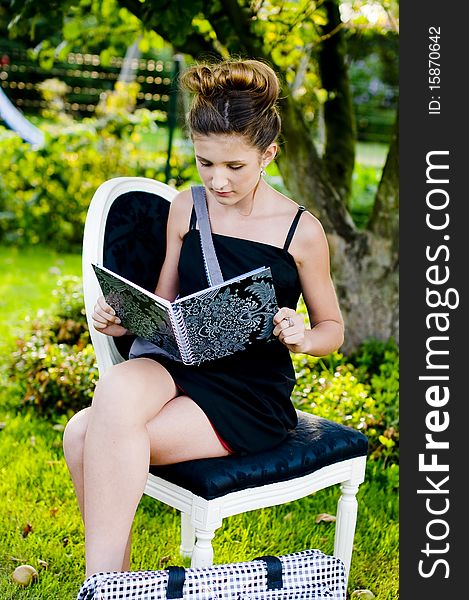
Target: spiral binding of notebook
x,y
182,337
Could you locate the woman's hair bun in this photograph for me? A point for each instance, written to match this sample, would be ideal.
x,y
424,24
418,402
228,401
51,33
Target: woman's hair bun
x,y
234,96
219,79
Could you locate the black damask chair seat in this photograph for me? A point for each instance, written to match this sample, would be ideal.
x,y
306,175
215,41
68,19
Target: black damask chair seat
x,y
314,443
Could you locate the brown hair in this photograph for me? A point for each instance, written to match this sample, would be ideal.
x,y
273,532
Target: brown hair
x,y
234,96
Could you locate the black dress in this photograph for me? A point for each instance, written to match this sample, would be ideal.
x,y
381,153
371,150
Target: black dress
x,y
246,396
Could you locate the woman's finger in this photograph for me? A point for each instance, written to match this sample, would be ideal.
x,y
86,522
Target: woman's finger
x,y
105,317
99,318
104,312
104,306
283,313
284,318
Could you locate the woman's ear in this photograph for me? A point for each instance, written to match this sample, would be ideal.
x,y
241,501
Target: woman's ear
x,y
269,155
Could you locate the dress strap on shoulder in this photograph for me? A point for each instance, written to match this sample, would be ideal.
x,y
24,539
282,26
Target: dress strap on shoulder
x,y
292,229
193,221
212,268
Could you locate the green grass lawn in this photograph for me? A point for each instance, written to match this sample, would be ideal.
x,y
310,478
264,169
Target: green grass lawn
x,y
27,279
39,518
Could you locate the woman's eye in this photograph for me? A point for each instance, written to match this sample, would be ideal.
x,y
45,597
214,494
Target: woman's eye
x,y
233,168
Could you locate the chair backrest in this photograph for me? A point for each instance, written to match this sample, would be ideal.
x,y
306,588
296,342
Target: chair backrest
x,y
125,230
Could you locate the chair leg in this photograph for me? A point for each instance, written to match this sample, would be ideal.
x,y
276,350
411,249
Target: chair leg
x,y
187,536
202,555
347,508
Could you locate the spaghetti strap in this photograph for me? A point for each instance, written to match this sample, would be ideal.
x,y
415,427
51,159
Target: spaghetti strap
x,y
193,220
292,229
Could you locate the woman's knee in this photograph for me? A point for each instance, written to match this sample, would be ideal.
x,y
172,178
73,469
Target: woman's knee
x,y
74,436
132,392
115,390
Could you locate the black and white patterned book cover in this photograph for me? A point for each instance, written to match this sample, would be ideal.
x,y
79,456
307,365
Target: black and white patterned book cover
x,y
207,325
141,312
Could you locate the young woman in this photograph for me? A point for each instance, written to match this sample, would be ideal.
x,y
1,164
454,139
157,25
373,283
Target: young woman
x,y
152,410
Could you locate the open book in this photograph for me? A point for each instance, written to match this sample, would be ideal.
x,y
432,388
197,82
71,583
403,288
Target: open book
x,y
206,325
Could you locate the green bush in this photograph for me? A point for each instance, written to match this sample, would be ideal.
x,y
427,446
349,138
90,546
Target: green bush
x,y
45,192
54,365
360,390
384,384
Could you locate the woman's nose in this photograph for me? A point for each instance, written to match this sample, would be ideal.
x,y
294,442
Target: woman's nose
x,y
219,180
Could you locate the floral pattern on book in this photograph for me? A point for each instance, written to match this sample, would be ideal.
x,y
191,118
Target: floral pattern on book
x,y
142,316
226,320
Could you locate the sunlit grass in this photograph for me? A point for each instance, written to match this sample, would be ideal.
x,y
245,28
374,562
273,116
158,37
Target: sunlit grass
x,y
27,279
37,496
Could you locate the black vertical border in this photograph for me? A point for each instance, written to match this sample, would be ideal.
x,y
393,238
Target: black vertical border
x,y
420,132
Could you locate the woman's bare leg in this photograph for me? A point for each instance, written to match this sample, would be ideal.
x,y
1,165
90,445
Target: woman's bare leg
x,y
117,456
179,431
73,445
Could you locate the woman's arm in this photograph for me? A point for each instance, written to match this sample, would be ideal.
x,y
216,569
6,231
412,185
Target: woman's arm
x,y
104,317
178,219
311,252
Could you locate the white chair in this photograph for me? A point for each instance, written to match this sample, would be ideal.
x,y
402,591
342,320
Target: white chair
x,y
126,231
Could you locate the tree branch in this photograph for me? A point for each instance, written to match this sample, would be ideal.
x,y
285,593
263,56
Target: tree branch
x,y
300,18
135,7
240,23
194,44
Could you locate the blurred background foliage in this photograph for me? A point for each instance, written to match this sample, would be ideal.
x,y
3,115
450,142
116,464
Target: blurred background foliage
x,y
63,73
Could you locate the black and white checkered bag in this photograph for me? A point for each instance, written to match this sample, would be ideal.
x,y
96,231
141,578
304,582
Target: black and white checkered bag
x,y
305,575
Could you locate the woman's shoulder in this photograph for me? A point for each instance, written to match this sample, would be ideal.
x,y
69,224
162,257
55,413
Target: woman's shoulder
x,y
182,203
182,200
308,237
180,211
308,226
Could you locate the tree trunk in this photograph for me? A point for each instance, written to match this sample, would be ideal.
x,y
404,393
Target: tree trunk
x,y
339,119
363,263
368,288
384,219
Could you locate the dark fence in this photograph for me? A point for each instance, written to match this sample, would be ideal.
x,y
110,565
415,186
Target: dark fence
x,y
86,78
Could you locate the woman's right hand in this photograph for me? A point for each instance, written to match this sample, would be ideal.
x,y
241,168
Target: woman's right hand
x,y
105,319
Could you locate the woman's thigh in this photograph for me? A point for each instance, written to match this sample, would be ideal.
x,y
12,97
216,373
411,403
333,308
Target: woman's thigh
x,y
178,428
133,392
181,431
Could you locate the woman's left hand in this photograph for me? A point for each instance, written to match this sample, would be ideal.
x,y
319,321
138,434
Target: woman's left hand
x,y
289,327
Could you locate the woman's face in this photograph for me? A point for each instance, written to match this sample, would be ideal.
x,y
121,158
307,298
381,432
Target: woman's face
x,y
229,167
